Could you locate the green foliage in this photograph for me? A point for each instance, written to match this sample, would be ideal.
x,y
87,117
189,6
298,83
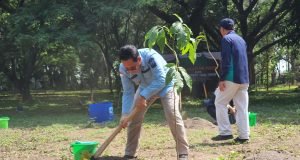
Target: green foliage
x,y
178,82
186,77
34,41
181,34
51,34
152,35
171,72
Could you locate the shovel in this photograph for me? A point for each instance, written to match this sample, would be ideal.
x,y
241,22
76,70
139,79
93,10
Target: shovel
x,y
106,143
112,136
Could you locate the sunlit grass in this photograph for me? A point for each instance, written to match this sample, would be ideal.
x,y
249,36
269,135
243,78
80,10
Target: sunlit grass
x,y
55,119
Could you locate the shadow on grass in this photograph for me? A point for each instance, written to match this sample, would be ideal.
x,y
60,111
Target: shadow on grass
x,y
53,107
65,108
75,119
110,158
276,98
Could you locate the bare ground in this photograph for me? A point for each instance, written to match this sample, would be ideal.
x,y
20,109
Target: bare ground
x,y
260,148
263,146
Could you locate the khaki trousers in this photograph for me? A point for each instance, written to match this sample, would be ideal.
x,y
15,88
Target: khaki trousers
x,y
134,127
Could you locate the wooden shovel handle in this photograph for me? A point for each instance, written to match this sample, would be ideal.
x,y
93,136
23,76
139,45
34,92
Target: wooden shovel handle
x,y
107,142
205,91
113,135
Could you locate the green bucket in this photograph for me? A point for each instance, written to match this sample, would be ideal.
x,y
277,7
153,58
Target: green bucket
x,y
4,122
83,150
252,119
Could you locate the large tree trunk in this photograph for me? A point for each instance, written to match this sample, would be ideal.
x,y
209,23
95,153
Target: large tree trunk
x,y
251,65
29,63
25,92
273,79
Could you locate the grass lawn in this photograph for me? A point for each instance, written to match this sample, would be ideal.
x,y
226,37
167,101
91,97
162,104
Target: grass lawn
x,y
47,127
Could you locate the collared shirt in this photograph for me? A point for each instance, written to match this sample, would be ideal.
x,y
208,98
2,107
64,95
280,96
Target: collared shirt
x,y
234,59
151,79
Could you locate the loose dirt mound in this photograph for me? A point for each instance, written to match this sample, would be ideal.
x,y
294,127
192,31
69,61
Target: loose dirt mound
x,y
199,123
272,155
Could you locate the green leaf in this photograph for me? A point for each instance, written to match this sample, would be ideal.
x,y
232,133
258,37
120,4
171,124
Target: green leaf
x,y
167,30
181,40
151,36
161,40
179,18
192,54
187,78
178,82
188,33
169,65
176,27
193,49
181,33
188,29
186,48
201,38
170,75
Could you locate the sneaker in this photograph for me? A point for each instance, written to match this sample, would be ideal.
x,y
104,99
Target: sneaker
x,y
222,137
127,157
183,157
239,140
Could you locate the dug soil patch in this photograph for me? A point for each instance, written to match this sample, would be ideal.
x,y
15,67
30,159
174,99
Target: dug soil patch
x,y
198,123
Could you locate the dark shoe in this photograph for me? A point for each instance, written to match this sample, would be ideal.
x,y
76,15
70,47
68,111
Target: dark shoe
x,y
92,158
183,157
239,140
222,137
127,157
215,123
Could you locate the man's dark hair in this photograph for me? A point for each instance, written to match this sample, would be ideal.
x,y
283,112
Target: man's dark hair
x,y
227,23
128,51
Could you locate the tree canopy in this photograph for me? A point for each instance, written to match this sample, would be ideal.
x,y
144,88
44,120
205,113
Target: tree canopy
x,y
73,44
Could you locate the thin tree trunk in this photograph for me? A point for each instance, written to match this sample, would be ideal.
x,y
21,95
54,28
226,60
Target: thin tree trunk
x,y
110,81
262,77
92,94
251,65
267,73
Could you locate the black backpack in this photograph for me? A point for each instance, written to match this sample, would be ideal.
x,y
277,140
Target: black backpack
x,y
211,109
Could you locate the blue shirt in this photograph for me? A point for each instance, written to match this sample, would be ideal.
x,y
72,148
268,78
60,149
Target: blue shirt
x,y
234,58
151,79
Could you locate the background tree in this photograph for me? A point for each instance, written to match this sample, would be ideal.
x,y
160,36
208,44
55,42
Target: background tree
x,y
28,30
255,20
110,25
39,37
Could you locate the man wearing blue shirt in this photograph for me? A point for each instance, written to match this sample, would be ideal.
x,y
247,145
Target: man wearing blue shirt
x,y
146,69
234,83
